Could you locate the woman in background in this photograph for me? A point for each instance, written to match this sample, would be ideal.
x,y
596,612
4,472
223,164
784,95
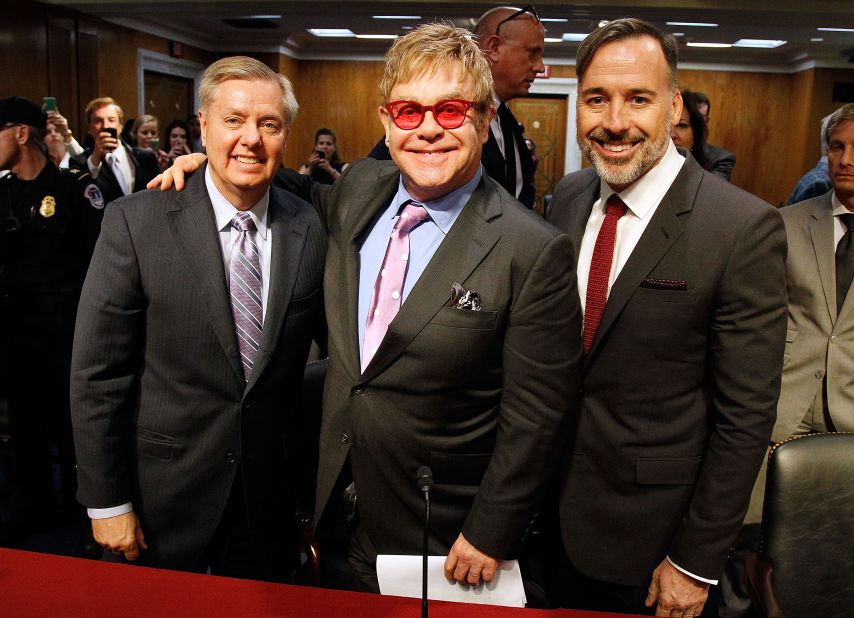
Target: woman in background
x,y
177,138
324,165
690,131
144,132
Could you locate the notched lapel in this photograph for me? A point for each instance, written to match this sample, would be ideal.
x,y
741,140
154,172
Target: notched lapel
x,y
821,234
288,236
194,227
469,241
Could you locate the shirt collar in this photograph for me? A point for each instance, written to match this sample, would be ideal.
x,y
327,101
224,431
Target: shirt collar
x,y
838,207
224,211
644,194
443,210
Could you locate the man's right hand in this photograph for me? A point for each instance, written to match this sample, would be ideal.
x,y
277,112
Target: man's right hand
x,y
185,164
121,534
104,145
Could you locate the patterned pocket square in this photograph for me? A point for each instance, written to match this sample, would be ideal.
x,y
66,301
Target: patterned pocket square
x,y
676,285
464,299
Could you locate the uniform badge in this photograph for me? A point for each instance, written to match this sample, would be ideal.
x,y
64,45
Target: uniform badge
x,y
48,207
93,194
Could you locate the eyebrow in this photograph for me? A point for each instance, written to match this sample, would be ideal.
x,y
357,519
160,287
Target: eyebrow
x,y
632,92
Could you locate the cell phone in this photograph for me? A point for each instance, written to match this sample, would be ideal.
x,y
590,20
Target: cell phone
x,y
49,104
114,133
154,144
320,154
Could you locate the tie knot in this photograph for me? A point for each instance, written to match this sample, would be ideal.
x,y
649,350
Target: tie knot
x,y
615,206
848,221
243,221
413,214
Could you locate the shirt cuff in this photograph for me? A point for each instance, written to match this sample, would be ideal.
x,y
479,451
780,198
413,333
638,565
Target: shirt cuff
x,y
93,169
74,148
713,582
115,511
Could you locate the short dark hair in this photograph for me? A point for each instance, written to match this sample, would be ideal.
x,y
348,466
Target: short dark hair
x,y
690,102
843,114
618,30
702,97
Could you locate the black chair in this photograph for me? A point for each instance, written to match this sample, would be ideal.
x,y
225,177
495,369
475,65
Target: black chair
x,y
805,564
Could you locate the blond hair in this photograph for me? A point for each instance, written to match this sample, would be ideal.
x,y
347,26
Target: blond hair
x,y
432,47
96,104
244,67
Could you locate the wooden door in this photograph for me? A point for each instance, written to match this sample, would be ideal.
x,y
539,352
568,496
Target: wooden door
x,y
544,119
168,97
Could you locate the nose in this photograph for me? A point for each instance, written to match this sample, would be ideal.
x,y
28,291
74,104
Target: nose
x,y
539,67
250,136
616,118
848,156
430,129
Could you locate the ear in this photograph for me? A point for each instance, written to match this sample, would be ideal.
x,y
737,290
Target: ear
x,y
22,134
491,46
487,118
203,124
676,111
385,118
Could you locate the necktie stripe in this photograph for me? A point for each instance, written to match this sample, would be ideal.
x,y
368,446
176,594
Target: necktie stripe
x,y
246,285
246,291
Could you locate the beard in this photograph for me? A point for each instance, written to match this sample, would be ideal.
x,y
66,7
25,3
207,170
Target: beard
x,y
623,172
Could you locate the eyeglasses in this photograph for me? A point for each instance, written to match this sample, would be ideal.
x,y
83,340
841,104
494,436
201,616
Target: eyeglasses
x,y
530,10
449,114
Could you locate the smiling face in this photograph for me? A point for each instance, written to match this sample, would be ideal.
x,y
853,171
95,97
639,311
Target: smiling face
x,y
840,162
244,133
626,106
435,161
177,137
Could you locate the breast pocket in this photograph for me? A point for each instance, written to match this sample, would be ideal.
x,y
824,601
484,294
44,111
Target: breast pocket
x,y
466,318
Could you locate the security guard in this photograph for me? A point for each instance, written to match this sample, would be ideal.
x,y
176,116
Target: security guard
x,y
49,222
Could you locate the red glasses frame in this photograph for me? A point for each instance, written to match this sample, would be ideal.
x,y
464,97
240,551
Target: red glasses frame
x,y
453,124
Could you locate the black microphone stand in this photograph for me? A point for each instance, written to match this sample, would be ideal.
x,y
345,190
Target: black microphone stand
x,y
425,482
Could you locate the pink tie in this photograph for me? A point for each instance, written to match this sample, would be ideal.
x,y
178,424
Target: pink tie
x,y
388,289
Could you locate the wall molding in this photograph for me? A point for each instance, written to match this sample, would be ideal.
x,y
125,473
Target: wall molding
x,y
148,60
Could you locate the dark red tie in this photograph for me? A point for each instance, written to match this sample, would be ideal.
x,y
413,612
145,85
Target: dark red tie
x,y
600,269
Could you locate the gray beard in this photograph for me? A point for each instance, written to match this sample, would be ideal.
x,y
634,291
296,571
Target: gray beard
x,y
621,173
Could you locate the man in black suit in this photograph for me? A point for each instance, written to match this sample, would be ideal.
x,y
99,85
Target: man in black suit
x,y
721,160
512,40
192,335
116,167
682,278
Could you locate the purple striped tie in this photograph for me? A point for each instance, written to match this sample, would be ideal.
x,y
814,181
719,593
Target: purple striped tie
x,y
245,288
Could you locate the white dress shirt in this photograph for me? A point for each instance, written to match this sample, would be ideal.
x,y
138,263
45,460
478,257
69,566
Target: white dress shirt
x,y
839,228
122,157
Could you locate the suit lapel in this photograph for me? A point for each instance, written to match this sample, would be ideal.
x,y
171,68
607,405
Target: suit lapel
x,y
194,226
288,237
663,230
578,216
470,239
361,224
821,234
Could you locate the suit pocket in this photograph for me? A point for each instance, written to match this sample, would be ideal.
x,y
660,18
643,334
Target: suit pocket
x,y
459,468
301,305
665,296
670,471
466,318
154,444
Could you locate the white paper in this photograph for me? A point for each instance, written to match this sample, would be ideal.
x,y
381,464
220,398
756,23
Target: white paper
x,y
401,576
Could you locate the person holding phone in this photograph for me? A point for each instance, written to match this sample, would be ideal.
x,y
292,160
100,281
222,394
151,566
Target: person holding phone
x,y
117,168
146,134
177,137
324,165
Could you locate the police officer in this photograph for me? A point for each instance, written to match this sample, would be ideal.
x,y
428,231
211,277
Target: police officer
x,y
49,222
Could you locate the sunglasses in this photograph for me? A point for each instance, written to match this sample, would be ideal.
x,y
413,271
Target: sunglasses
x,y
449,114
530,10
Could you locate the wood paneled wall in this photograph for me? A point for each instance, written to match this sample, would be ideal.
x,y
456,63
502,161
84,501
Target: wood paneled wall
x,y
770,120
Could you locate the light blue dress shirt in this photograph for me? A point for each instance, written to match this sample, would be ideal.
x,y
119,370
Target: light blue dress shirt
x,y
424,240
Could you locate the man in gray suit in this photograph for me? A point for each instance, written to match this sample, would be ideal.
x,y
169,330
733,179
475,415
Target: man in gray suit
x,y
192,335
473,371
682,276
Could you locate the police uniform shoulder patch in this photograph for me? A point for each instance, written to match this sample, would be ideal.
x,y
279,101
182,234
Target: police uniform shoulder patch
x,y
93,194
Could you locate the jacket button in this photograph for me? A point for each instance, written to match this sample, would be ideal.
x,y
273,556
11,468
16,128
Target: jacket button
x,y
834,339
344,439
358,391
819,374
231,457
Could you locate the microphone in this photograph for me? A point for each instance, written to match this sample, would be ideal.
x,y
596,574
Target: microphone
x,y
425,482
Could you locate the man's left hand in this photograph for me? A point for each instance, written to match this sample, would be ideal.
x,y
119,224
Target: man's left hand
x,y
676,594
467,564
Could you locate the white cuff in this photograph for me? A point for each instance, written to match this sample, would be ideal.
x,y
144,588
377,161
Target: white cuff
x,y
73,147
713,582
113,511
93,169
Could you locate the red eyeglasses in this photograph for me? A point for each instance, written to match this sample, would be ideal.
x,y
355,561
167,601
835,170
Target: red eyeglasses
x,y
449,114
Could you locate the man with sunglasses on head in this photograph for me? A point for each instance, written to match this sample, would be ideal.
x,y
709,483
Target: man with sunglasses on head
x,y
454,332
512,41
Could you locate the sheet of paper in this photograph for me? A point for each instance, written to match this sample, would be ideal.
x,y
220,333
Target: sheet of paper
x,y
401,576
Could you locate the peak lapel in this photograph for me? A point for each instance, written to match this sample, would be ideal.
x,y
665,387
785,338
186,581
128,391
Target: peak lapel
x,y
468,242
194,227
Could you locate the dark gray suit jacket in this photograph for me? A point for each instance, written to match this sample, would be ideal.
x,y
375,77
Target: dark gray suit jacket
x,y
162,416
482,397
721,161
680,385
145,169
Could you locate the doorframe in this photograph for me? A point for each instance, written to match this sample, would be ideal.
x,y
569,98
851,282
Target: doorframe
x,y
567,86
148,60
